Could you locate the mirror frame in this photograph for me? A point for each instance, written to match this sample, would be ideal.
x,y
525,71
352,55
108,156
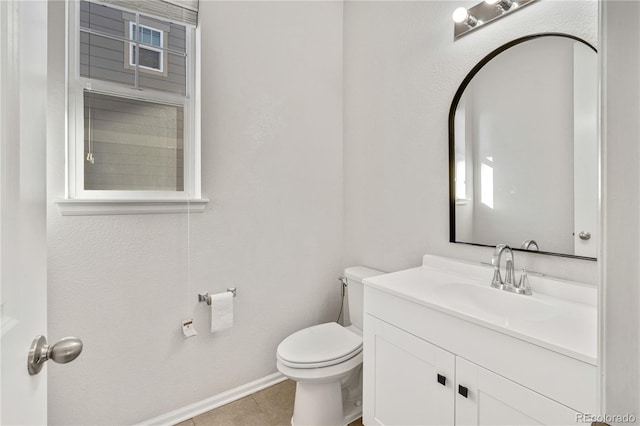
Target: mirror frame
x,y
452,113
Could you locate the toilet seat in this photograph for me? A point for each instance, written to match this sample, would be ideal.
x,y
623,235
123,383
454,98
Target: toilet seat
x,y
328,374
319,346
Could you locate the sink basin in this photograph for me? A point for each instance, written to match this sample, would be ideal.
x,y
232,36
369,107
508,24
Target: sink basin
x,y
560,315
502,306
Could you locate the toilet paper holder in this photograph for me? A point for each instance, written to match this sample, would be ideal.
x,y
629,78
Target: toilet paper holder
x,y
206,297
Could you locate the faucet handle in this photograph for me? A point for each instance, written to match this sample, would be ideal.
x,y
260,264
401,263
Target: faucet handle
x,y
523,286
496,282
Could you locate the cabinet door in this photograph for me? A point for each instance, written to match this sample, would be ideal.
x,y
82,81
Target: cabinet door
x,y
401,378
494,400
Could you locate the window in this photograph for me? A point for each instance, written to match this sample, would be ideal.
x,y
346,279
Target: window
x,y
133,110
150,57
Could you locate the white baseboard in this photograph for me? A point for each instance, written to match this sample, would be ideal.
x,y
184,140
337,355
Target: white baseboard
x,y
197,408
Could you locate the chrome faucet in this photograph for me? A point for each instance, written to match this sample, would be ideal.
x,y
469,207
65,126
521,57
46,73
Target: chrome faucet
x,y
497,281
509,282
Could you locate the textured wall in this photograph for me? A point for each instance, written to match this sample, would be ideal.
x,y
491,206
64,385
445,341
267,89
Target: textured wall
x,y
401,71
272,167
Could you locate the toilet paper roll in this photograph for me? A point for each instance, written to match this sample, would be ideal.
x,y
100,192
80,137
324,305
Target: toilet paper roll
x,y
221,311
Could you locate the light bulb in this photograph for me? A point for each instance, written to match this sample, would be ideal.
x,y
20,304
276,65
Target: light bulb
x,y
503,5
460,15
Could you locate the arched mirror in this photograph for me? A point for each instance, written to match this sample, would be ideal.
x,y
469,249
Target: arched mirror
x,y
523,148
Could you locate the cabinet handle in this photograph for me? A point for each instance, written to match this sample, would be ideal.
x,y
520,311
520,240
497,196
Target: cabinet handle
x,y
442,380
463,391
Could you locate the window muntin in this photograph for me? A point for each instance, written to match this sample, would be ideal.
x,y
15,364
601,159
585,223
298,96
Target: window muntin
x,y
100,30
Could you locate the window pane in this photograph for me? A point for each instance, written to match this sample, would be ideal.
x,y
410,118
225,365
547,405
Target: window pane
x,y
102,18
146,35
148,58
173,79
114,60
135,145
105,59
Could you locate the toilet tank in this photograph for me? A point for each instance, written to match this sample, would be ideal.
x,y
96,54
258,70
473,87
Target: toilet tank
x,y
355,291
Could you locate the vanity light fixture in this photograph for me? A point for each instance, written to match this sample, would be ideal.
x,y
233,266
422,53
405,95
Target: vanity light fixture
x,y
462,15
503,5
482,13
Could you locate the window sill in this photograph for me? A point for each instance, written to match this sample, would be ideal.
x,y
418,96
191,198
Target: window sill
x,y
76,207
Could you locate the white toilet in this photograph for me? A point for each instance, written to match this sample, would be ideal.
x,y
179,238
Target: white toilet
x,y
325,361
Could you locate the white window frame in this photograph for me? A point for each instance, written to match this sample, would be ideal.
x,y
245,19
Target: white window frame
x,y
75,195
146,46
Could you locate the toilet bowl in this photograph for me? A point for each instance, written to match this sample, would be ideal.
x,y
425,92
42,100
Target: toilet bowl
x,y
325,361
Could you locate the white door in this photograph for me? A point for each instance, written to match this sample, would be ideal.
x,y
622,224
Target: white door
x,y
407,381
23,297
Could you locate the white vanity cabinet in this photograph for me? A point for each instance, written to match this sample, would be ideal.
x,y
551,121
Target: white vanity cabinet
x,y
423,353
409,381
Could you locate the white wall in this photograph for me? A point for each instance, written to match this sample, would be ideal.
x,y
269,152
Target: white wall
x,y
272,167
401,71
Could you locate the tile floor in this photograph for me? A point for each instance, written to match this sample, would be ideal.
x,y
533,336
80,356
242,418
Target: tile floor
x,y
272,406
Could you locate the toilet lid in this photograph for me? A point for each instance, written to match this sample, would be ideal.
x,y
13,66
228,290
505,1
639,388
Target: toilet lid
x,y
319,346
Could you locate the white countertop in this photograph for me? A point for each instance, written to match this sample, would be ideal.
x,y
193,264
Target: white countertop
x,y
463,290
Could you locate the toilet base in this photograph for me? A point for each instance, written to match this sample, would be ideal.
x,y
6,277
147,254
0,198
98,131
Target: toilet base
x,y
318,404
335,403
315,405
